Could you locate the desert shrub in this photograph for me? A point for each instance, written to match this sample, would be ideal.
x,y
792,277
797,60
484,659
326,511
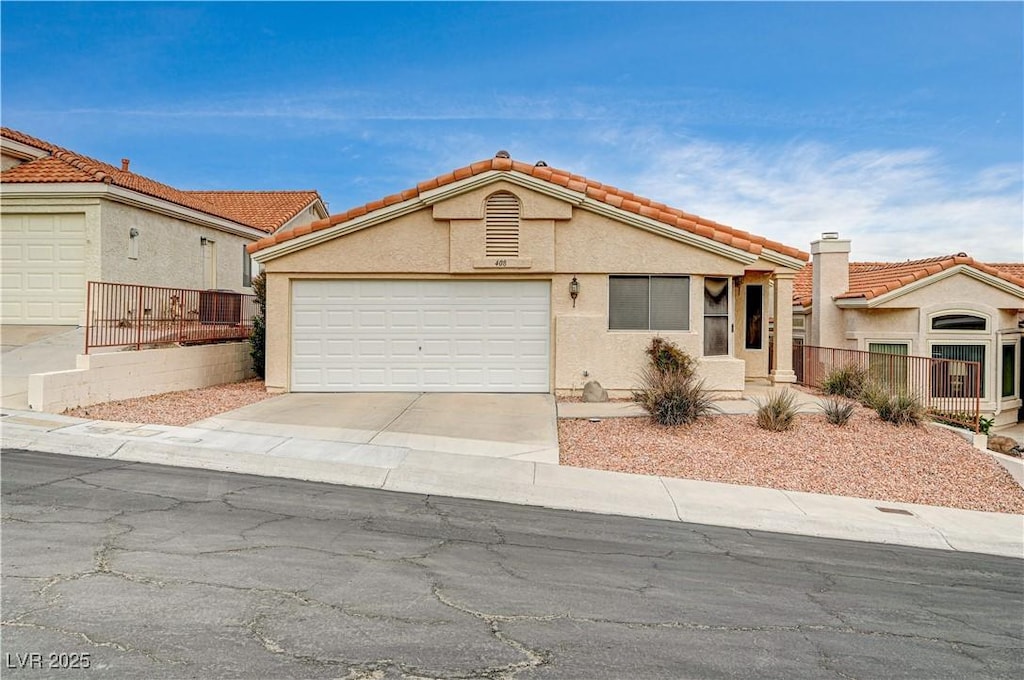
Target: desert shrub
x,y
258,336
845,381
778,412
666,356
873,395
901,409
837,411
669,389
673,397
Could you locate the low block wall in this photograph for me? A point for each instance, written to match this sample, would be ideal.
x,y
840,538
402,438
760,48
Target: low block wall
x,y
124,375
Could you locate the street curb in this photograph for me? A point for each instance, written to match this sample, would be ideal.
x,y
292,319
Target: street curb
x,y
584,490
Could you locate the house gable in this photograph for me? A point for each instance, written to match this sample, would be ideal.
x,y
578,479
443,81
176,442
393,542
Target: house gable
x,y
450,237
573,190
990,284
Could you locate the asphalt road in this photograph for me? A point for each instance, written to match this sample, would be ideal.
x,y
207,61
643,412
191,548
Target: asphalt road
x,y
142,571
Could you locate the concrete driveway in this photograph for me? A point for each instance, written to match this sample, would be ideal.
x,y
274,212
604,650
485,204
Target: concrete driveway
x,y
516,426
35,349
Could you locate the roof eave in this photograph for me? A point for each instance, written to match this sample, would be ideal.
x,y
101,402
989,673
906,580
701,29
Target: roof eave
x,y
127,197
432,196
984,277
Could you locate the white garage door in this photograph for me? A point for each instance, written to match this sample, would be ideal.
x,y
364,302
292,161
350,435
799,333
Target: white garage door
x,y
420,336
43,275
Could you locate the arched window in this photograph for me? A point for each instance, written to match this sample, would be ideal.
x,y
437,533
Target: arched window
x,y
959,322
501,216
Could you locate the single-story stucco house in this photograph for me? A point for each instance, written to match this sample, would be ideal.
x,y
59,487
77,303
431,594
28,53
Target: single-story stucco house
x,y
505,276
950,307
67,219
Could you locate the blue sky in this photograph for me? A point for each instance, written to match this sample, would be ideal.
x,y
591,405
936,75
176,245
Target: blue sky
x,y
899,125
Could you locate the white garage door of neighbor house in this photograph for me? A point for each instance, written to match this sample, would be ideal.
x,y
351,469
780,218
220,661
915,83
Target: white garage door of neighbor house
x,y
420,336
43,269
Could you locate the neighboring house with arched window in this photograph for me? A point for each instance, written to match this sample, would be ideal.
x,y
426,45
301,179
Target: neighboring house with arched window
x,y
951,307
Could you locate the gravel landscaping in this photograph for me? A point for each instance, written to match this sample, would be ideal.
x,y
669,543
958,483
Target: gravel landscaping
x,y
177,408
867,458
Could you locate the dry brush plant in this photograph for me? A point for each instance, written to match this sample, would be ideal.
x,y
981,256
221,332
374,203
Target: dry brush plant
x,y
669,390
777,413
845,381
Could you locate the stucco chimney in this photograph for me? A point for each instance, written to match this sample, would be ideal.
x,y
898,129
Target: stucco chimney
x,y
124,164
830,257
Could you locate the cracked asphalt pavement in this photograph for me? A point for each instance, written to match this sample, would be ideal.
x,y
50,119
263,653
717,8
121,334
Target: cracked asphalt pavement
x,y
158,572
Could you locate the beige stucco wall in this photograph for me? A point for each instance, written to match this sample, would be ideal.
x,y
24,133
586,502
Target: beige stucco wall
x,y
170,253
7,161
125,375
557,241
305,216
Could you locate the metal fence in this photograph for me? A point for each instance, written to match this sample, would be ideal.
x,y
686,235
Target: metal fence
x,y
950,389
129,315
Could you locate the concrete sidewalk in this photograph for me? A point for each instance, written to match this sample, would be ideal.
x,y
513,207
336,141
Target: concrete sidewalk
x,y
401,468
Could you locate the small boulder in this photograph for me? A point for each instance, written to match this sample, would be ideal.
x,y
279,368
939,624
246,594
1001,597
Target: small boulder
x,y
1001,444
593,392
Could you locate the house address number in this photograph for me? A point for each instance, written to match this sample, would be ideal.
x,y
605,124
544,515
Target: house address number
x,y
503,263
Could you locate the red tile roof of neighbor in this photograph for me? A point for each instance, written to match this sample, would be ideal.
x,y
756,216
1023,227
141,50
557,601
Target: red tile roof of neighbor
x,y
618,198
872,279
263,210
266,210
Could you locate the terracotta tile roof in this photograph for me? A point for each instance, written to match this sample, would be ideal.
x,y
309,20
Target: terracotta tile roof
x,y
618,198
872,279
63,165
266,210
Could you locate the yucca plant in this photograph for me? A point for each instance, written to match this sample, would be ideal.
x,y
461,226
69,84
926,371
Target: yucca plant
x,y
837,411
778,412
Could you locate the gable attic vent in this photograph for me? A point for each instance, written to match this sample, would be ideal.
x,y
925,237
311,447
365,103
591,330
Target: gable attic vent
x,y
501,215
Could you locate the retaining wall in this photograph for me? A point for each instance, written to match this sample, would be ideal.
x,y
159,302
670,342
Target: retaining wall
x,y
124,375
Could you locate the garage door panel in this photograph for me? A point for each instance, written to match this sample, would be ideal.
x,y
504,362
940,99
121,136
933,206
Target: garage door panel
x,y
421,335
43,259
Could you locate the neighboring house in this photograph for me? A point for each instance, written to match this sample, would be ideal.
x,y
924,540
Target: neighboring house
x,y
67,219
505,276
951,307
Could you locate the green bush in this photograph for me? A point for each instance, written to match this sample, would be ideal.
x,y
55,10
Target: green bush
x,y
845,381
961,418
258,336
673,397
901,409
666,357
778,412
837,411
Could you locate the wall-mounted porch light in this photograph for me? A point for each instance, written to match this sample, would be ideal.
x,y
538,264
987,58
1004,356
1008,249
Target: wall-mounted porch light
x,y
574,290
203,240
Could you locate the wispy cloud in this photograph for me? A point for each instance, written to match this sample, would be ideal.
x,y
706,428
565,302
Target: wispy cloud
x,y
893,203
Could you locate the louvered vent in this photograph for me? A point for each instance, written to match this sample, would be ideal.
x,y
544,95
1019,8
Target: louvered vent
x,y
502,217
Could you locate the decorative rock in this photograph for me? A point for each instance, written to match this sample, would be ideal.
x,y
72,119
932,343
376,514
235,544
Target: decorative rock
x,y
996,442
593,392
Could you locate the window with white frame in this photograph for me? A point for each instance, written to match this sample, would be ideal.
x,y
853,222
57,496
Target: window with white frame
x,y
648,303
963,372
716,316
888,363
959,322
1009,372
